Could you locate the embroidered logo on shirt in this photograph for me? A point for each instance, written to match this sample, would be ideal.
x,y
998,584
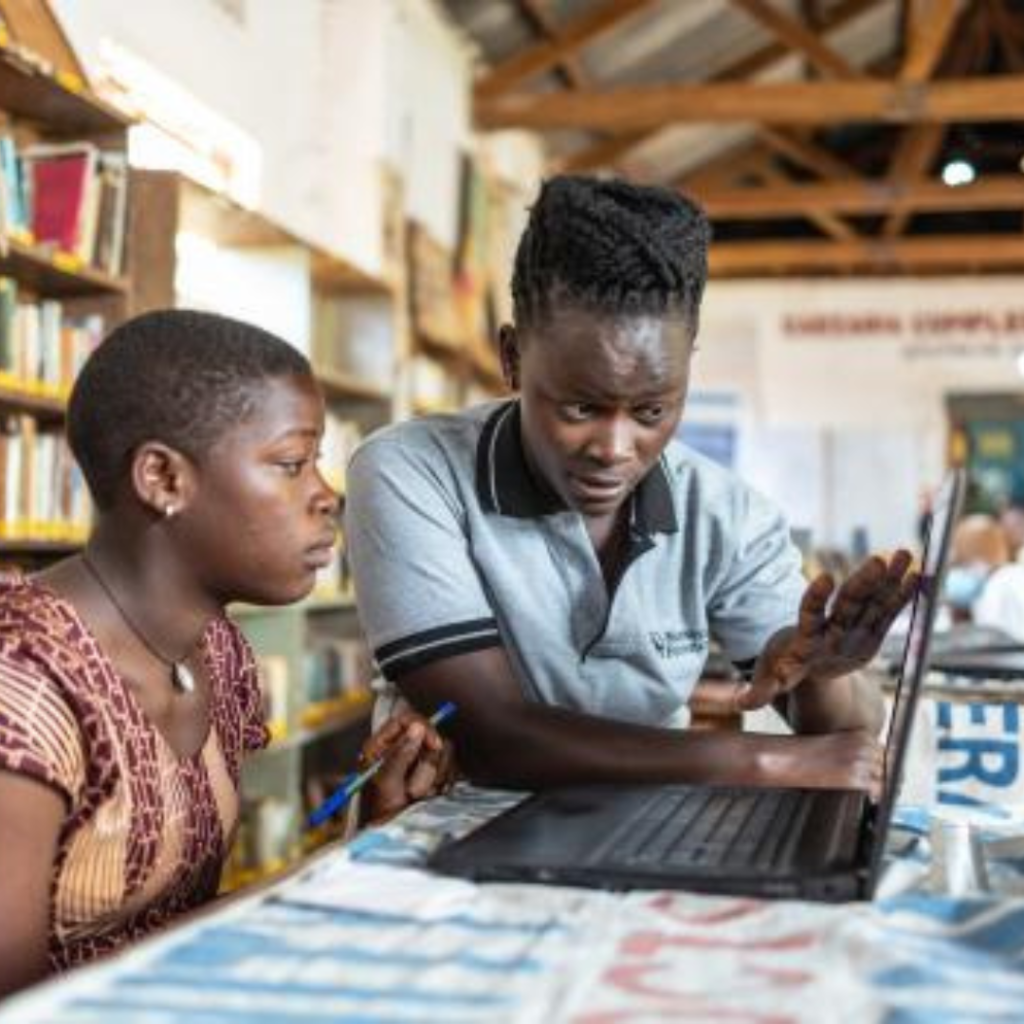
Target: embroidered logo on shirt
x,y
675,643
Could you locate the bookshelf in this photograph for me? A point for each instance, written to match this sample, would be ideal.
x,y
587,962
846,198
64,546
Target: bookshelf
x,y
453,365
63,274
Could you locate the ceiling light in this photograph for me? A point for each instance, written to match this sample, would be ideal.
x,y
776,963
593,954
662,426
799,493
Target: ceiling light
x,y
957,172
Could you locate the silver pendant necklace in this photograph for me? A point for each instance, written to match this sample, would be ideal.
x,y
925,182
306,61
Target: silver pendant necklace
x,y
182,678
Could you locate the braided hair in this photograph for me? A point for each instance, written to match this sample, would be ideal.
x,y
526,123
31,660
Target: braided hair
x,y
611,247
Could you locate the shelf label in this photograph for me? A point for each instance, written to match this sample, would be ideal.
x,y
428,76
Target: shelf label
x,y
71,81
67,261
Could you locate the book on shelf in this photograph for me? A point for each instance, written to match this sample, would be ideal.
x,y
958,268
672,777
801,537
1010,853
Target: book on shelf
x,y
44,497
70,196
431,295
112,218
13,209
335,672
60,187
41,347
266,841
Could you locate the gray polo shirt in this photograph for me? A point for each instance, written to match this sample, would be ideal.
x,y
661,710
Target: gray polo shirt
x,y
455,547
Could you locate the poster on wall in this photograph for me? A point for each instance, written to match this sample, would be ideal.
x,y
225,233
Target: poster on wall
x,y
710,425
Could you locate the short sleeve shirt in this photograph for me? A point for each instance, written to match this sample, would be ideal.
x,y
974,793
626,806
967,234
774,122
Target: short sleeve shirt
x,y
455,547
1001,603
146,831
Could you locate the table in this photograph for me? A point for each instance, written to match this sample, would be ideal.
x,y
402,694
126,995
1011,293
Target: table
x,y
363,935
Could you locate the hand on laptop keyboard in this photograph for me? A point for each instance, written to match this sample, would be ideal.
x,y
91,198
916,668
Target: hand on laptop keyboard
x,y
852,759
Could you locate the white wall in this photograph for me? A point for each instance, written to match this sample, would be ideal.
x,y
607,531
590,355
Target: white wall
x,y
843,387
430,76
330,90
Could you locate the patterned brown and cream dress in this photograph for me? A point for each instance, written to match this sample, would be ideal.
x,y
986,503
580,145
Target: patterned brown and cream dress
x,y
146,831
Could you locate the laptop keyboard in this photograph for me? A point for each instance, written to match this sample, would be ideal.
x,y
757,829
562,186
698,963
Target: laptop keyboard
x,y
704,827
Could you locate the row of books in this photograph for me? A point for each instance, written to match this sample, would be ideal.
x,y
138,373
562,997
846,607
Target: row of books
x,y
71,196
41,347
265,843
43,494
335,669
335,673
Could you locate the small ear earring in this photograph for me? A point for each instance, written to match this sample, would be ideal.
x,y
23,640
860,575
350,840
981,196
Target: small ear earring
x,y
170,511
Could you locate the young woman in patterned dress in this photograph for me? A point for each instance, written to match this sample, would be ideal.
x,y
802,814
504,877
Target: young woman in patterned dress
x,y
127,699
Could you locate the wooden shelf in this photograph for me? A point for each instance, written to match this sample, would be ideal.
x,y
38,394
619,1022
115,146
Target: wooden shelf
x,y
337,384
332,274
443,348
28,91
355,710
52,409
53,275
421,407
314,604
226,222
341,603
486,367
48,548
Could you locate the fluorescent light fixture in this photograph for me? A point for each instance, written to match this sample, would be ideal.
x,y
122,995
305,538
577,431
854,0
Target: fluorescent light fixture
x,y
958,172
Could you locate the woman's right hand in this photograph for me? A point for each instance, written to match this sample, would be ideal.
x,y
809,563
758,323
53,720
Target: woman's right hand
x,y
852,759
419,764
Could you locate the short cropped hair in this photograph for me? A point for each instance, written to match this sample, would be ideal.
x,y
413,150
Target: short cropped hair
x,y
611,247
177,376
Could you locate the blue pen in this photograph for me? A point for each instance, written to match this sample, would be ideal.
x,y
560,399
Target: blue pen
x,y
351,784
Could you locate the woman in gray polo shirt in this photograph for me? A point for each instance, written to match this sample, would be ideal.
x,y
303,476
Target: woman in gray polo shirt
x,y
556,563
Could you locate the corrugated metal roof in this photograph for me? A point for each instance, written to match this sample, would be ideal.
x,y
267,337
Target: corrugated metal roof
x,y
679,42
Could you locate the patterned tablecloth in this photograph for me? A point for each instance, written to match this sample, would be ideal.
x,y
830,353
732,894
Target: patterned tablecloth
x,y
364,935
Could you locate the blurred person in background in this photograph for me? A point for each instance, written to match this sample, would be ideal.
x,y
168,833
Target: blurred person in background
x,y
1012,521
984,584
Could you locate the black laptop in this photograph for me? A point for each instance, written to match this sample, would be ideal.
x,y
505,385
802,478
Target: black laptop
x,y
798,843
1002,663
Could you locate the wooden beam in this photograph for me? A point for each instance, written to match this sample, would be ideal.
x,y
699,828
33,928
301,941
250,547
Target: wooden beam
x,y
859,198
969,100
950,252
1006,31
805,154
919,146
577,33
1010,21
798,37
605,153
827,222
741,160
930,23
540,17
601,155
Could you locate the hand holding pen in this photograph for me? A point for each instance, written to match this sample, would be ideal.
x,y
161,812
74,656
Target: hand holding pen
x,y
406,760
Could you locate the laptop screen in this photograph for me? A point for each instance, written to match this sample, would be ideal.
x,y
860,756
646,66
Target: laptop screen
x,y
945,512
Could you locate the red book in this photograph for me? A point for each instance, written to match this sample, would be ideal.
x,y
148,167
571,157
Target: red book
x,y
60,184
